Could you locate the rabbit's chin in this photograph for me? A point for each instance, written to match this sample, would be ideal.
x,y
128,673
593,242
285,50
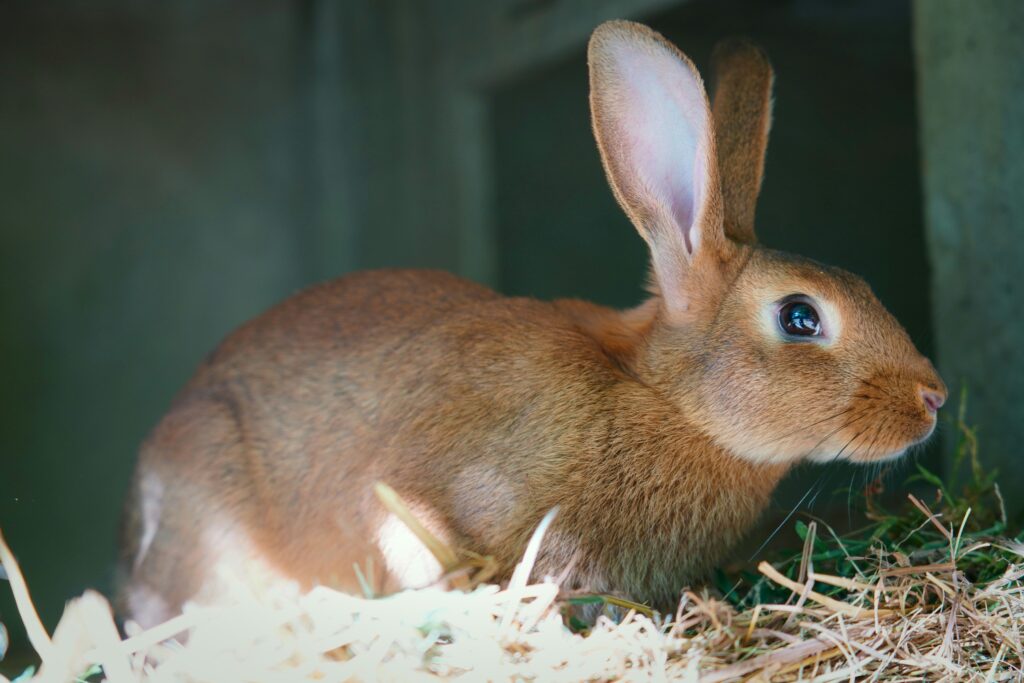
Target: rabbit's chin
x,y
825,457
874,454
866,459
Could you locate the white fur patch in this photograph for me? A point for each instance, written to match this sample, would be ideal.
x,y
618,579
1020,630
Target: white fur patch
x,y
151,493
406,558
236,569
147,607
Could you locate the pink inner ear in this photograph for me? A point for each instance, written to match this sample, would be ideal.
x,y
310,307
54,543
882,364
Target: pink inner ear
x,y
663,120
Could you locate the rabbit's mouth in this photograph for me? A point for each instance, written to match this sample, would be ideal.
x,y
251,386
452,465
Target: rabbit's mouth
x,y
897,409
883,429
897,434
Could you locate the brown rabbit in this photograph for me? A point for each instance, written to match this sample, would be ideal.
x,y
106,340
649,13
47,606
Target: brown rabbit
x,y
660,432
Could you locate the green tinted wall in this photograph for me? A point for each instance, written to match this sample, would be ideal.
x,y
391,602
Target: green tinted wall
x,y
970,59
147,166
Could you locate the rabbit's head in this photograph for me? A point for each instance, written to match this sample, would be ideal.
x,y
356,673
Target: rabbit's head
x,y
777,357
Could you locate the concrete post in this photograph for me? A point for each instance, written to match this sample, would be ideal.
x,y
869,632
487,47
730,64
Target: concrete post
x,y
970,60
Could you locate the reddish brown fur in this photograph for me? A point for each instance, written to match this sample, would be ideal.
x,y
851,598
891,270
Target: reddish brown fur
x,y
660,432
742,112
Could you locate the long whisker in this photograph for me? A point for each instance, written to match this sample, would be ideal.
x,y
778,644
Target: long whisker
x,y
879,430
812,487
849,500
852,453
783,523
874,470
813,424
857,417
847,445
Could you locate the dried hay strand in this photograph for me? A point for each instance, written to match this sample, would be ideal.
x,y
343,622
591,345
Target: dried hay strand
x,y
930,594
898,621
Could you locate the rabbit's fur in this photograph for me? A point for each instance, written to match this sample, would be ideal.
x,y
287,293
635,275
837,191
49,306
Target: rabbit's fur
x,y
659,432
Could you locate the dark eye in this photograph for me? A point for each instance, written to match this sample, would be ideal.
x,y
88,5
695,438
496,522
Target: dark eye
x,y
799,319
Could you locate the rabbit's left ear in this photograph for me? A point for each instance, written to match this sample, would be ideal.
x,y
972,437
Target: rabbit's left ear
x,y
654,130
743,115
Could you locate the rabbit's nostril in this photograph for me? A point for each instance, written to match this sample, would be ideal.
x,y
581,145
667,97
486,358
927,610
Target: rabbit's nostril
x,y
933,400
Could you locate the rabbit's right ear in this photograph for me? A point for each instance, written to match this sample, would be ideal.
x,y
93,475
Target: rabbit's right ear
x,y
654,130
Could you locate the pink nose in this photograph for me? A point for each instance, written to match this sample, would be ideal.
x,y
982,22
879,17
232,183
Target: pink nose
x,y
933,400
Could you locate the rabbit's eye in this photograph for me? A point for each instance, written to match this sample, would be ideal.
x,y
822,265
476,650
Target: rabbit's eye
x,y
799,319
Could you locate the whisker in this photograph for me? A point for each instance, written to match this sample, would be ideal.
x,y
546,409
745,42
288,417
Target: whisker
x,y
836,457
868,474
849,500
860,416
785,520
822,477
813,424
879,430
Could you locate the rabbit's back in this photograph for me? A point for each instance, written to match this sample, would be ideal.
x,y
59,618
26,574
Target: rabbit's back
x,y
466,402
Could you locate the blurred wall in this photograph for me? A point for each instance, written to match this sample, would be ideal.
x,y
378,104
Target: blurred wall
x,y
167,172
970,58
153,171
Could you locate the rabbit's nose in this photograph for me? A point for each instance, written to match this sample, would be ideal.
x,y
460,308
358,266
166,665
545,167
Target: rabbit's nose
x,y
930,387
932,398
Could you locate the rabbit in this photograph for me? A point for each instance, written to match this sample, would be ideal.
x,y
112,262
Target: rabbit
x,y
659,432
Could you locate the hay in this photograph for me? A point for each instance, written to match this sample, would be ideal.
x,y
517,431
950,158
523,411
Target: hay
x,y
920,595
898,621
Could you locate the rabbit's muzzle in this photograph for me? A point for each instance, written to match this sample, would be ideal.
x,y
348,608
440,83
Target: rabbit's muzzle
x,y
905,407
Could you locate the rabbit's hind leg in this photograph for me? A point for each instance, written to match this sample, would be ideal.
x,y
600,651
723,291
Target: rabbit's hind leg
x,y
184,536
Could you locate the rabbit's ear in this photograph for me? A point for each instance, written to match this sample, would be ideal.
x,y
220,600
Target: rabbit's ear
x,y
653,128
743,115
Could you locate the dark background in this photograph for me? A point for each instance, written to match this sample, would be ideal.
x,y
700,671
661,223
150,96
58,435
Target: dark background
x,y
169,171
